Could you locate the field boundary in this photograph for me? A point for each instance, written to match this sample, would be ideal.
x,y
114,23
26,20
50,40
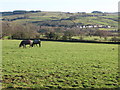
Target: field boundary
x,y
81,41
74,40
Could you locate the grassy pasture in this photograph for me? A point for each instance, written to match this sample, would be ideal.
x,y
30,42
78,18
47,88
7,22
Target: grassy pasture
x,y
94,38
60,65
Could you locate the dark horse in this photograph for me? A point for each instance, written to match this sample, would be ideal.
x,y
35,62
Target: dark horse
x,y
25,42
35,42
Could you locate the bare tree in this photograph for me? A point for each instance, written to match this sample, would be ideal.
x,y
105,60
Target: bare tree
x,y
6,29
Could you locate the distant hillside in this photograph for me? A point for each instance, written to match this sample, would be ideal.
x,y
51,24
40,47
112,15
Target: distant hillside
x,y
63,19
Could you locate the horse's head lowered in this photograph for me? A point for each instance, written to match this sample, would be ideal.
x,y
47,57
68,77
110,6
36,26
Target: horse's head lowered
x,y
25,42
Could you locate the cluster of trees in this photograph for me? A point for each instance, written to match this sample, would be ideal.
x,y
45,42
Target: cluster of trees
x,y
19,12
29,31
67,35
19,31
63,33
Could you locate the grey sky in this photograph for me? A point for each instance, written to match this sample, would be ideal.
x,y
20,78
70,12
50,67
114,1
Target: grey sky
x,y
60,5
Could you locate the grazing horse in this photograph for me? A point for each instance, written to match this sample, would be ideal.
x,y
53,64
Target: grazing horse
x,y
35,42
25,42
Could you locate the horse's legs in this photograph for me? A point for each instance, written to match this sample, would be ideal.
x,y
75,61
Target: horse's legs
x,y
33,44
39,44
24,46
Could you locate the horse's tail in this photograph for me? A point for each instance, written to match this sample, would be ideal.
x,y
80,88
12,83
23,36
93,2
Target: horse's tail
x,y
20,44
40,43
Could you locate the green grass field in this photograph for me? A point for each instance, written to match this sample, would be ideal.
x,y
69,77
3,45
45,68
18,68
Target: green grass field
x,y
60,65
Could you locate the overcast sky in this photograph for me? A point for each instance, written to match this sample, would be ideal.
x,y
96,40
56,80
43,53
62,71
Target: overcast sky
x,y
60,5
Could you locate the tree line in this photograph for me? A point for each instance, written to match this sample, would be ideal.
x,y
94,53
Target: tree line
x,y
12,30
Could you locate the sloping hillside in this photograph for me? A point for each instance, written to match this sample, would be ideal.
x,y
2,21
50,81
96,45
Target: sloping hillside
x,y
64,19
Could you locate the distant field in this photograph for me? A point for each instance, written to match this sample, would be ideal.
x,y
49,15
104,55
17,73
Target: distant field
x,y
93,38
107,19
60,65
